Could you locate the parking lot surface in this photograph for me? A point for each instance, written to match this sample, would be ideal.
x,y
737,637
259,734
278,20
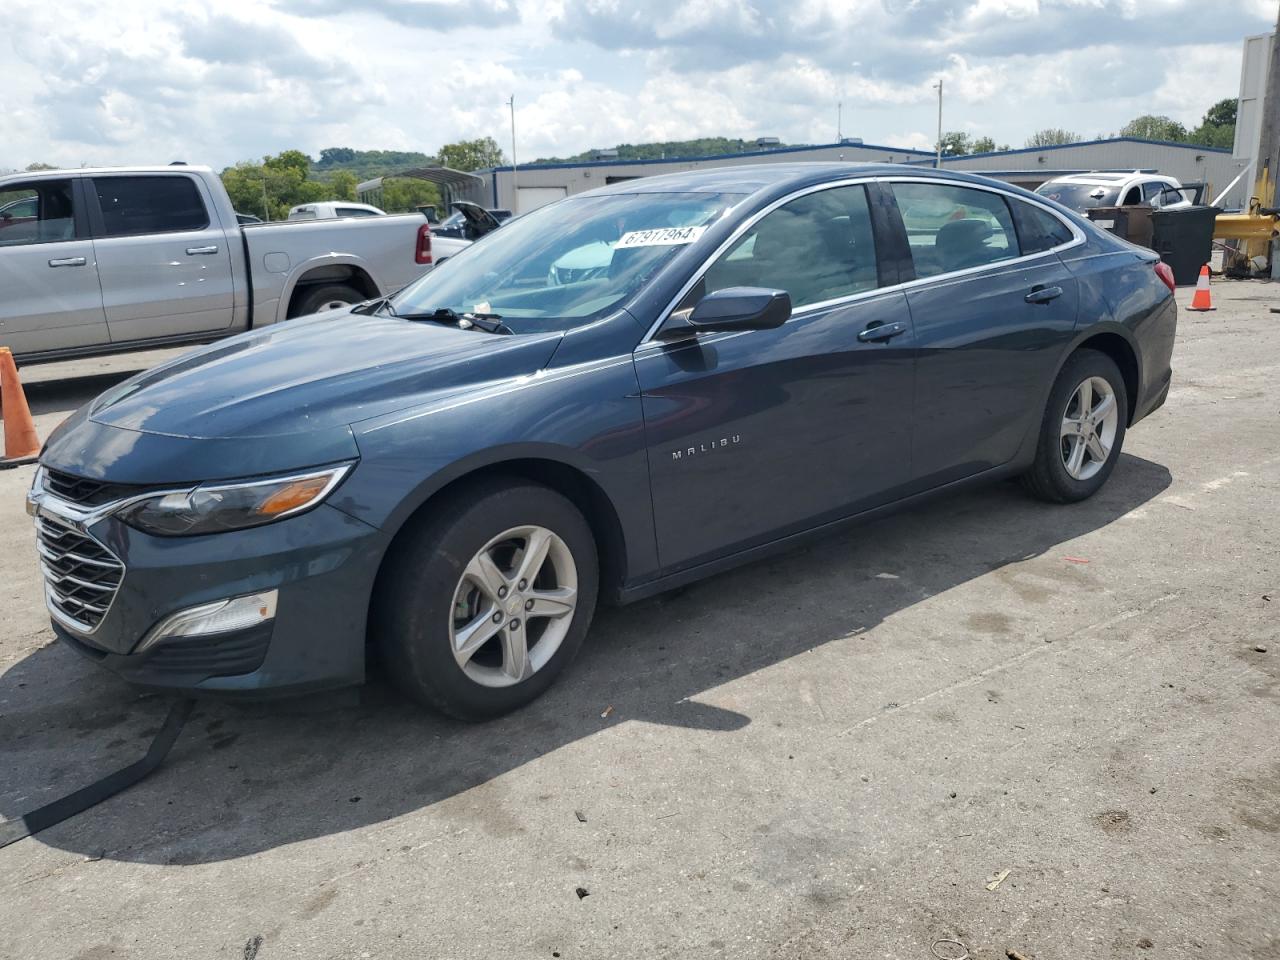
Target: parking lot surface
x,y
833,753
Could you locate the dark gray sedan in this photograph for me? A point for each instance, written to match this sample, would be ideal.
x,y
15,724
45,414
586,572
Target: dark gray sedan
x,y
619,393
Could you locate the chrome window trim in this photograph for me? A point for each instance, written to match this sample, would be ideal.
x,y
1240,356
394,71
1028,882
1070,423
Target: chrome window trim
x,y
1078,238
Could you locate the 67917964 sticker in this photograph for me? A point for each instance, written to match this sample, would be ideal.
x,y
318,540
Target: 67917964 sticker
x,y
659,237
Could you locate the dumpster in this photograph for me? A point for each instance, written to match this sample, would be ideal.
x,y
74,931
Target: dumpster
x,y
1132,223
1183,237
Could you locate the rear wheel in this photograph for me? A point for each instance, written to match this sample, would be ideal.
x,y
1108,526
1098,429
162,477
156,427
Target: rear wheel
x,y
1082,431
486,600
330,296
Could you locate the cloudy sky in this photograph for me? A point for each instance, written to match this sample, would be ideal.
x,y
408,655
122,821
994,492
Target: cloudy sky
x,y
134,81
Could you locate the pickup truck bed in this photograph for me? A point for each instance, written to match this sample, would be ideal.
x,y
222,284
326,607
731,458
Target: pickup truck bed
x,y
102,261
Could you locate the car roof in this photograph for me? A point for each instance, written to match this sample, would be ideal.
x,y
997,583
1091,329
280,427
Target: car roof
x,y
1099,178
90,171
780,177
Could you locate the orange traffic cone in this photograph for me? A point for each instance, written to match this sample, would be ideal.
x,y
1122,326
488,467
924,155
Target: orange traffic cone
x,y
1202,301
20,442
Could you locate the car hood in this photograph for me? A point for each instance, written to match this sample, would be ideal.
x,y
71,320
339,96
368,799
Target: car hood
x,y
282,397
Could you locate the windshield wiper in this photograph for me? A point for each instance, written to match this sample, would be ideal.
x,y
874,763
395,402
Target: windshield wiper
x,y
488,322
371,306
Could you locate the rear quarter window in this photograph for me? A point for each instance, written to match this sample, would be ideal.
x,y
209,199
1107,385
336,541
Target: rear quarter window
x,y
1038,230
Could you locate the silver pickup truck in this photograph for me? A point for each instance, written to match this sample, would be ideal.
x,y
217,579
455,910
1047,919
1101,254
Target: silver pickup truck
x,y
101,261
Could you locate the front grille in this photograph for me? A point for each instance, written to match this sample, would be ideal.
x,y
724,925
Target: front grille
x,y
81,575
82,490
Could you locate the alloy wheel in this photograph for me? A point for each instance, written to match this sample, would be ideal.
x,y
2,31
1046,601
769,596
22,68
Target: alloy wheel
x,y
1089,428
513,606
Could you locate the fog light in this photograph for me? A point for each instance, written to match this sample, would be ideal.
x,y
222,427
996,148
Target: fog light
x,y
221,616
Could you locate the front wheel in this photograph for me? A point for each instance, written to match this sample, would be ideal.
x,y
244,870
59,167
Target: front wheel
x,y
1082,430
487,599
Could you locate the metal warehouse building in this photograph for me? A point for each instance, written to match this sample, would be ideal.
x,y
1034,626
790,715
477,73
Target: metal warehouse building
x,y
528,187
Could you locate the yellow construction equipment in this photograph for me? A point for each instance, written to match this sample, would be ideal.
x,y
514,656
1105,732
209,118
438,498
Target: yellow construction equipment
x,y
1253,230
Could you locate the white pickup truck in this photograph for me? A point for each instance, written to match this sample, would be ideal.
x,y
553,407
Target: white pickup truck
x,y
105,260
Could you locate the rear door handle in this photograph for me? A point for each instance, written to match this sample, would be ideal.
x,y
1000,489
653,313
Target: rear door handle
x,y
1043,294
68,262
202,251
877,332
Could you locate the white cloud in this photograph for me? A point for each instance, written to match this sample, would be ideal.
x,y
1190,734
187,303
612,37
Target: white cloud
x,y
133,81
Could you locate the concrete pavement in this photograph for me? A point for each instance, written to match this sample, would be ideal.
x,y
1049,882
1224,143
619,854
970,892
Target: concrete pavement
x,y
827,754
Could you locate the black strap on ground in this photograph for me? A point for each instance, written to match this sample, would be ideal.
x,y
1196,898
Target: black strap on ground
x,y
108,786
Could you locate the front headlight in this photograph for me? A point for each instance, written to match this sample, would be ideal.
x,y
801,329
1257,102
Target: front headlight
x,y
212,508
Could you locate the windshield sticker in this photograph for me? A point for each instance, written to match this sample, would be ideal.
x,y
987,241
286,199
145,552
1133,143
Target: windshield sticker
x,y
662,237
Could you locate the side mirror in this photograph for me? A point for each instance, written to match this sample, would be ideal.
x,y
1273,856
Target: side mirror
x,y
733,308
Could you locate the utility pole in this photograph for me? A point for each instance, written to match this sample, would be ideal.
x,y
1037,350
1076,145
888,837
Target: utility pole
x,y
937,162
515,170
839,135
266,208
1269,144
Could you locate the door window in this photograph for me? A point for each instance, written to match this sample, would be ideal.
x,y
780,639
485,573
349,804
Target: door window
x,y
353,212
1038,230
1161,194
818,247
954,228
141,205
36,212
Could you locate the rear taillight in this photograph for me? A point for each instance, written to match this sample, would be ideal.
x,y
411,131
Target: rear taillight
x,y
1165,273
422,249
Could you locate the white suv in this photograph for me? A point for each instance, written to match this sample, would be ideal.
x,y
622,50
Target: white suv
x,y
1081,191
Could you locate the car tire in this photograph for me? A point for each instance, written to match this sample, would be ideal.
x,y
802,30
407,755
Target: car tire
x,y
449,640
1080,436
331,296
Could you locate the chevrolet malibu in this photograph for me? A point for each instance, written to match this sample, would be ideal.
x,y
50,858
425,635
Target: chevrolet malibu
x,y
617,394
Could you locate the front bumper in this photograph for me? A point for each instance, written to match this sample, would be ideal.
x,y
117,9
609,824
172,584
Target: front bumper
x,y
322,563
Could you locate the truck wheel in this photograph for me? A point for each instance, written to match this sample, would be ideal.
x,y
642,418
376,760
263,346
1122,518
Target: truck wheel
x,y
1082,431
331,296
486,598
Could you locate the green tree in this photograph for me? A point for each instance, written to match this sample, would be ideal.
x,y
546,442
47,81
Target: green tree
x,y
405,194
33,167
956,143
472,154
983,145
1150,127
343,185
1218,128
270,188
336,157
1052,137
289,160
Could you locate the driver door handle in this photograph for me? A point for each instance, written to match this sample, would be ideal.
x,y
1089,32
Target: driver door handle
x,y
877,332
68,262
1042,294
199,251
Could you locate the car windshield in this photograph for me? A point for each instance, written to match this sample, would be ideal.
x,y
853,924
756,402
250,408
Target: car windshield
x,y
566,264
1080,196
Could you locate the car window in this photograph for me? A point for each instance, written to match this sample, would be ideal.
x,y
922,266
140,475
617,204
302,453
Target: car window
x,y
353,212
1038,230
817,247
37,212
1079,196
140,205
1162,194
954,228
1132,195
